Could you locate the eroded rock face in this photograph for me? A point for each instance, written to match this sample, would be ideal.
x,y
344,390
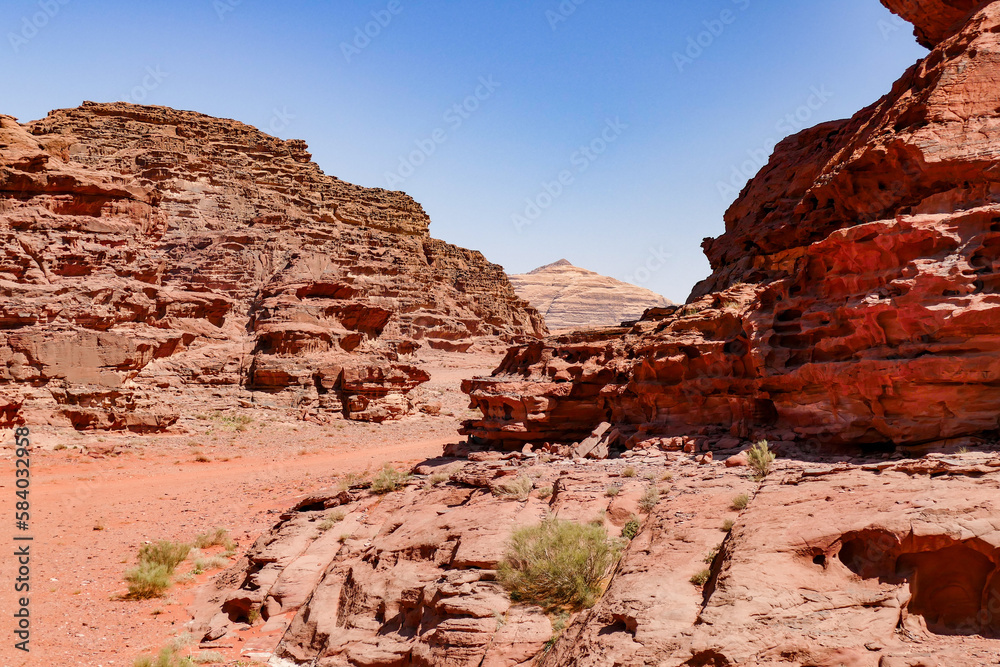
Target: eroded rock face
x,y
854,297
572,298
813,575
934,20
154,259
823,568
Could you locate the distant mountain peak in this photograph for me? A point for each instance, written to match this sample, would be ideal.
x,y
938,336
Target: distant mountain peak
x,y
561,262
574,298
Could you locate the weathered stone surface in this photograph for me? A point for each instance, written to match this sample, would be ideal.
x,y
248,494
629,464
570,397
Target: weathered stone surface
x,y
403,579
853,299
155,261
809,575
934,20
573,298
867,563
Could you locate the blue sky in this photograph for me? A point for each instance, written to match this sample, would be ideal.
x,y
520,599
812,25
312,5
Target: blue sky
x,y
530,130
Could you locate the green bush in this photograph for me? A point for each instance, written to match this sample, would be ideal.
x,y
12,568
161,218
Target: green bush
x,y
148,580
167,658
388,480
631,529
712,553
701,578
558,563
761,457
166,553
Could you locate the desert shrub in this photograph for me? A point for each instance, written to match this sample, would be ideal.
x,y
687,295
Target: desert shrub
x,y
701,578
727,525
740,502
631,528
233,422
545,492
208,658
558,563
761,457
352,480
388,480
438,478
216,538
148,580
167,658
712,553
650,498
612,491
628,472
213,563
332,519
166,553
516,489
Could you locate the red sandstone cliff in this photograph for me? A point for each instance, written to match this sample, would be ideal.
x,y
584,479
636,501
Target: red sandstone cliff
x,y
855,295
156,260
853,299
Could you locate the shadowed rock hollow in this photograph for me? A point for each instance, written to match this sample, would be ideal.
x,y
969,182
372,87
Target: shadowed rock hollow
x,y
156,261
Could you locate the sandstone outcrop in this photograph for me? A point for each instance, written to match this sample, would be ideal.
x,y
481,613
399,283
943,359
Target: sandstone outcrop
x,y
854,298
823,568
158,261
934,20
573,298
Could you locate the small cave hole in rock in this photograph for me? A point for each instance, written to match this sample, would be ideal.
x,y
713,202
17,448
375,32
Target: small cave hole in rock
x,y
820,559
617,626
954,586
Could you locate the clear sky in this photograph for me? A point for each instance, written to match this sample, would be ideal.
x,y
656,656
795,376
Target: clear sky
x,y
665,121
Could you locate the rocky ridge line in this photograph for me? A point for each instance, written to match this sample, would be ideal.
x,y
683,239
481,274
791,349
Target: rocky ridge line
x,y
156,262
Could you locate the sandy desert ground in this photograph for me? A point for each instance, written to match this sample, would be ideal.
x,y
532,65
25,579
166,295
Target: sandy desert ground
x,y
98,497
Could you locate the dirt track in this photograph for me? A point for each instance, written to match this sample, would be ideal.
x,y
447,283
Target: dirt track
x,y
91,512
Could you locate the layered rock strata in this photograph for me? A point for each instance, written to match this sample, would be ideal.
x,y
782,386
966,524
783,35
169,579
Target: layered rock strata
x,y
573,298
806,575
854,298
157,261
